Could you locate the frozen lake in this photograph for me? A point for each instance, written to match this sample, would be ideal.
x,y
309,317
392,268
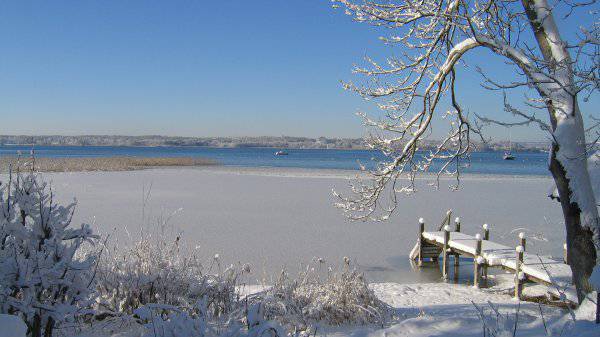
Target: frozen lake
x,y
272,218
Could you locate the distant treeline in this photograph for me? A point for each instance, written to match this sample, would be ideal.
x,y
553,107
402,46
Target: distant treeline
x,y
232,142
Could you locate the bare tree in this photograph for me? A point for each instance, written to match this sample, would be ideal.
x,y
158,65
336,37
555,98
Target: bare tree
x,y
434,36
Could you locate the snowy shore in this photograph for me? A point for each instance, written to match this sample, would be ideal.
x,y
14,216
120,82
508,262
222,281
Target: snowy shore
x,y
433,309
274,218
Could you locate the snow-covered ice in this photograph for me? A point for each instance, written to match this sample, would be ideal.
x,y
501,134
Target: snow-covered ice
x,y
284,217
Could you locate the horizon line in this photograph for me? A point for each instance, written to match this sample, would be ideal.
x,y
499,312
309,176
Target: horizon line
x,y
261,136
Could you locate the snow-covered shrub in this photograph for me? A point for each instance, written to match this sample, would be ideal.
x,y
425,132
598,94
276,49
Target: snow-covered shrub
x,y
166,287
328,296
258,326
169,321
163,320
158,270
43,277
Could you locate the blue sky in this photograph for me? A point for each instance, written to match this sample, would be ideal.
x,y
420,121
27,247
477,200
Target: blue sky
x,y
189,68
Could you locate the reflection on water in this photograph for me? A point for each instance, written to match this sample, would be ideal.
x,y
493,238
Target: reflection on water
x,y
402,270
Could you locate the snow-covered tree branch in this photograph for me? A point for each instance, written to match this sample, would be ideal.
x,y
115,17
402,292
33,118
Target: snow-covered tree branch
x,y
433,37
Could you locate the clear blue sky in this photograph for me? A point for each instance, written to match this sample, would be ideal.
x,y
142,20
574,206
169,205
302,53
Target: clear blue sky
x,y
188,68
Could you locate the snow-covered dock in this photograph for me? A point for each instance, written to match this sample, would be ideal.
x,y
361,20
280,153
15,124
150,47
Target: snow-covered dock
x,y
556,275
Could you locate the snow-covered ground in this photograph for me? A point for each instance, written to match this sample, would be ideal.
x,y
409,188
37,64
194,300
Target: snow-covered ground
x,y
12,326
448,310
272,218
434,309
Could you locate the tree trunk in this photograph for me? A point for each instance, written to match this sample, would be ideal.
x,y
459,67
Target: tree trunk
x,y
568,165
568,160
580,246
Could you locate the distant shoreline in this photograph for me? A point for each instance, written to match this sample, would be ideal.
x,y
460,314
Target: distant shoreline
x,y
246,147
188,146
92,164
283,142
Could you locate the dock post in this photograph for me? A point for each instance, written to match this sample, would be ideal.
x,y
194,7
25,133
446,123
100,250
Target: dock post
x,y
565,254
476,260
486,231
486,236
445,252
523,241
421,241
456,256
598,306
518,274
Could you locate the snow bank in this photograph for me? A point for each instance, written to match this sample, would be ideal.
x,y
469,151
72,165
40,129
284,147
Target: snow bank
x,y
451,310
12,326
581,322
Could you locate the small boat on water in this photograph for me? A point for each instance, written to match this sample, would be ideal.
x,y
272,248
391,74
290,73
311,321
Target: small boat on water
x,y
508,156
281,153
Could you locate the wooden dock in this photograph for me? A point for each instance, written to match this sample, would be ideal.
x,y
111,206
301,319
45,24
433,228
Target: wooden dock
x,y
447,241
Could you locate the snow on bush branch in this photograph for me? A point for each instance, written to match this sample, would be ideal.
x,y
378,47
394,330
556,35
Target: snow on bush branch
x,y
43,277
321,294
162,270
163,284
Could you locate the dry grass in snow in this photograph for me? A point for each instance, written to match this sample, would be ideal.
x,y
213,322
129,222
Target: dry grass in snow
x,y
83,164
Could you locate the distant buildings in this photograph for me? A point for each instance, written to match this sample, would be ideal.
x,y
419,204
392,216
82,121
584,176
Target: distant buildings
x,y
286,142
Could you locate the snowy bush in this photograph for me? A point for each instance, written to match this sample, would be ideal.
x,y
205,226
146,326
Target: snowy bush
x,y
44,279
319,295
167,288
157,270
169,321
258,326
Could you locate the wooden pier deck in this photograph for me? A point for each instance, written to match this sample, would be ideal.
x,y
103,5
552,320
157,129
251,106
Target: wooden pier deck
x,y
527,266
